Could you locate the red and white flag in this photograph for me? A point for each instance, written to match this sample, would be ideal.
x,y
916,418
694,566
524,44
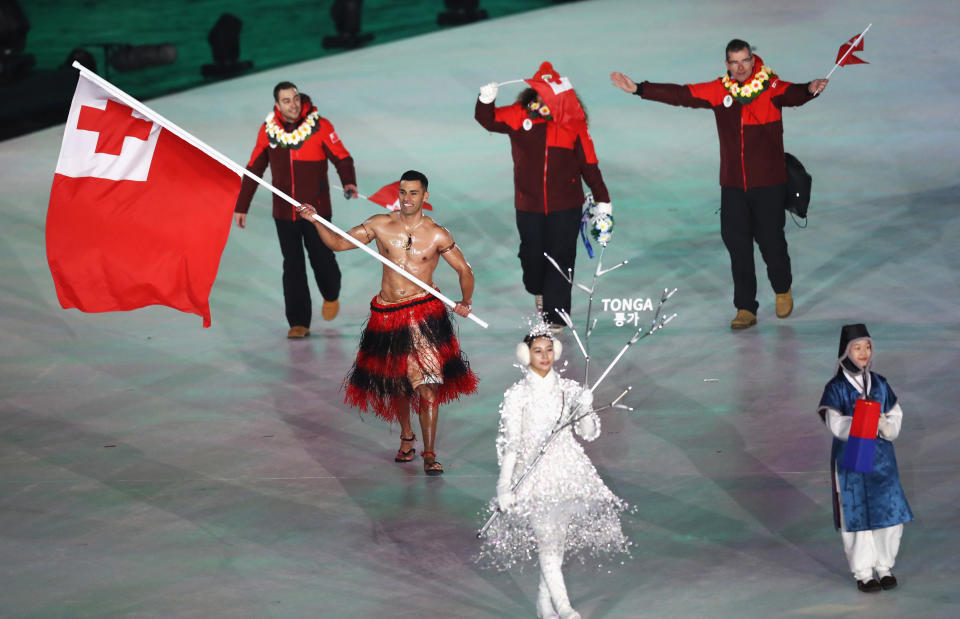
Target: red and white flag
x,y
557,93
388,197
846,56
137,215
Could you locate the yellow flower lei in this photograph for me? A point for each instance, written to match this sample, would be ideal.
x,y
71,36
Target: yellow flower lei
x,y
752,89
538,110
291,139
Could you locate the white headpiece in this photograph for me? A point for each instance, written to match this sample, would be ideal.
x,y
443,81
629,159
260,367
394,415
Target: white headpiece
x,y
540,329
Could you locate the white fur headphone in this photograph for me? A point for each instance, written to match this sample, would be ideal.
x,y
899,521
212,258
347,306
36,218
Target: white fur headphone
x,y
523,351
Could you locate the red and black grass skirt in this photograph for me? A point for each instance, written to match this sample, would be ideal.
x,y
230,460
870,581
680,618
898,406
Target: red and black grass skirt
x,y
418,331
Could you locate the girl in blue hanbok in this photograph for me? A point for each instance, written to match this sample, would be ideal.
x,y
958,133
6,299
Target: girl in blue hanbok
x,y
869,509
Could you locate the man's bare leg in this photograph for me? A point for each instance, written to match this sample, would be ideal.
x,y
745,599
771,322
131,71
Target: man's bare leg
x,y
406,453
428,427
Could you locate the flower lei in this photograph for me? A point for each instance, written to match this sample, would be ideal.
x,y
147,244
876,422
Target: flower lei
x,y
752,89
598,225
601,228
538,110
291,139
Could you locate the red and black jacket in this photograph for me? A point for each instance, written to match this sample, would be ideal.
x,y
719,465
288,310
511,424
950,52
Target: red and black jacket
x,y
300,172
548,159
751,135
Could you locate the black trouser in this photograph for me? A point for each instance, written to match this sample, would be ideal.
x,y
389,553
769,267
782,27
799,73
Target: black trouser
x,y
555,234
293,237
755,215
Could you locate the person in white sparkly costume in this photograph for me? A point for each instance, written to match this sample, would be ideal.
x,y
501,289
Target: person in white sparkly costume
x,y
562,505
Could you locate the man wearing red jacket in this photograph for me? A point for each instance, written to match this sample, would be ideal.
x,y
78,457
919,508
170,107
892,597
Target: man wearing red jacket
x,y
746,103
552,152
297,143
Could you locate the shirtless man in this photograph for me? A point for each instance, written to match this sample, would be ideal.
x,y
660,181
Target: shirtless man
x,y
408,351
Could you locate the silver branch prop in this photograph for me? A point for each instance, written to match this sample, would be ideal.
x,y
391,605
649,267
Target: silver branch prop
x,y
656,324
574,417
659,321
590,325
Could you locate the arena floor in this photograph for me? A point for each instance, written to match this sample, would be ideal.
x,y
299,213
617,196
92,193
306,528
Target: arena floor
x,y
152,468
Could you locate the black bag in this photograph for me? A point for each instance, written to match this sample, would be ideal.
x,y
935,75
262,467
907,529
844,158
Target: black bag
x,y
798,187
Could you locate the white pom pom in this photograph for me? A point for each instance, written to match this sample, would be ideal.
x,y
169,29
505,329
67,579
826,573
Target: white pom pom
x,y
523,354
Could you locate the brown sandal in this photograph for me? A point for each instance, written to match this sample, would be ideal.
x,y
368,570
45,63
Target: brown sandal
x,y
430,464
408,455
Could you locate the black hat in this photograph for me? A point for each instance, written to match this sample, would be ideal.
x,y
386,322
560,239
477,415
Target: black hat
x,y
849,333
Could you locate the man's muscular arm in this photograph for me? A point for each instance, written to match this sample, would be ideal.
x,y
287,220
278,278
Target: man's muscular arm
x,y
454,257
363,233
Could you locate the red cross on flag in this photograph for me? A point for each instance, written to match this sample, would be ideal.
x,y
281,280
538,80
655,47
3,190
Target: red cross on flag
x,y
137,215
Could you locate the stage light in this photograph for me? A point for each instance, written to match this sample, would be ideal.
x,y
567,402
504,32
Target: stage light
x,y
126,57
346,19
13,40
461,12
82,56
224,40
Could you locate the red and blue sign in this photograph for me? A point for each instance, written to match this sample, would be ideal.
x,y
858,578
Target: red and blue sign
x,y
862,444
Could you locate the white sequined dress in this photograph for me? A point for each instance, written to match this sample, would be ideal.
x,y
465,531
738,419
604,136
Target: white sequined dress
x,y
562,505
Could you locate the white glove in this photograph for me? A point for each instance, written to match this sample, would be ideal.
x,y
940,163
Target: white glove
x,y
505,498
489,92
587,428
585,400
603,208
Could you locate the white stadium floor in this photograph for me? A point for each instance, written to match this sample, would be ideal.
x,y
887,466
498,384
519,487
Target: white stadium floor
x,y
152,468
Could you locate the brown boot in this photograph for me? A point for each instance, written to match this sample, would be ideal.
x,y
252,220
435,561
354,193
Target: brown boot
x,y
297,332
743,319
330,309
784,304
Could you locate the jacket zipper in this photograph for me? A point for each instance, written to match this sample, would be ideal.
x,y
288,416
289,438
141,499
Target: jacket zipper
x,y
743,165
293,185
546,151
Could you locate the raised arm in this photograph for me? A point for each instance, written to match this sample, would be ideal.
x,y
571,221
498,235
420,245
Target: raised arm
x,y
792,95
493,118
690,95
363,233
623,82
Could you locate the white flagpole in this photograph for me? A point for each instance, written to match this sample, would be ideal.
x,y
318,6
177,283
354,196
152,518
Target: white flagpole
x,y
849,50
242,171
510,82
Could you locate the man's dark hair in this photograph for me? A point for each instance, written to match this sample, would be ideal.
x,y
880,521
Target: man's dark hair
x,y
736,45
282,86
413,175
